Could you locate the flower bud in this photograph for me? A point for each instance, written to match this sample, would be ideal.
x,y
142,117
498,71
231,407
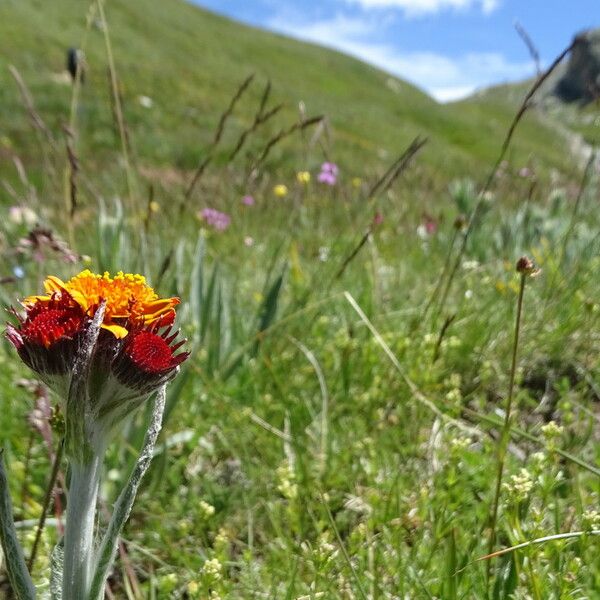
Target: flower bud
x,y
525,266
48,338
460,223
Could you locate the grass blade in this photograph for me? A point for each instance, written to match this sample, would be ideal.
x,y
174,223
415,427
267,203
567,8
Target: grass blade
x,y
18,574
268,308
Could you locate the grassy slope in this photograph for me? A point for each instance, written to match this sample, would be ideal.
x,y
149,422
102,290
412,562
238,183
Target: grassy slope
x,y
582,120
190,61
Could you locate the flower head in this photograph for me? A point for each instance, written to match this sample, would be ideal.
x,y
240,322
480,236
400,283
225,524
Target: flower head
x,y
48,337
303,177
46,324
430,224
22,215
121,330
40,242
461,223
215,218
248,200
526,267
328,174
147,358
427,227
280,190
525,172
327,178
329,167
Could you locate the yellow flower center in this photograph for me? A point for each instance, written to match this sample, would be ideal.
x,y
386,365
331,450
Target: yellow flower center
x,y
129,299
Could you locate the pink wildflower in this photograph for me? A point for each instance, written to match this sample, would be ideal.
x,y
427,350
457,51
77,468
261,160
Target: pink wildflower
x,y
328,174
327,178
329,167
248,200
430,224
525,172
377,219
215,218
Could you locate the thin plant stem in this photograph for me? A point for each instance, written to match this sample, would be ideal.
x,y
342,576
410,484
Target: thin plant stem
x,y
560,260
78,79
47,498
505,435
441,278
118,108
359,585
574,214
122,508
312,359
71,132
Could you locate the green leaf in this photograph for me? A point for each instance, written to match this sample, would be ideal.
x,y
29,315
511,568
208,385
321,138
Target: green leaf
x,y
451,567
197,284
268,309
110,237
18,574
175,392
208,302
506,582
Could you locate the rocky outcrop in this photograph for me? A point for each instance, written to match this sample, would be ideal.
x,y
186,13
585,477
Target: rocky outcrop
x,y
580,80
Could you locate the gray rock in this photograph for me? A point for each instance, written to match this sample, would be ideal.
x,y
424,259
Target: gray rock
x,y
579,80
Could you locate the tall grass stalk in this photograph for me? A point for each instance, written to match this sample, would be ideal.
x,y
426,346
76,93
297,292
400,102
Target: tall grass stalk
x,y
118,108
68,173
575,213
324,425
505,434
440,281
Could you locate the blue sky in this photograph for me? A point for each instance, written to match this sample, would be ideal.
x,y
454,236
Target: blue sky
x,y
449,48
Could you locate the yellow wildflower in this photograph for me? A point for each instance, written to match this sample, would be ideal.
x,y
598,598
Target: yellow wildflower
x,y
303,177
280,190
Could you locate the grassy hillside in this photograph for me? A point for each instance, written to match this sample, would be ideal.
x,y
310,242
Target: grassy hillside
x,y
581,120
190,62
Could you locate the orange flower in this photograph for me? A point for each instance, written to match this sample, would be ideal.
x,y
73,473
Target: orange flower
x,y
133,354
130,301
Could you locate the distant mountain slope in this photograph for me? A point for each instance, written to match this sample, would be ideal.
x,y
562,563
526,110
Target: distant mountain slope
x,y
189,62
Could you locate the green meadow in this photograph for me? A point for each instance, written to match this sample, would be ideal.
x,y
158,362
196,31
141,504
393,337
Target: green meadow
x,y
340,429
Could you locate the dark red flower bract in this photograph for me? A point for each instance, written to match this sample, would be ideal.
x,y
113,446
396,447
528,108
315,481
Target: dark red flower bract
x,y
150,352
51,324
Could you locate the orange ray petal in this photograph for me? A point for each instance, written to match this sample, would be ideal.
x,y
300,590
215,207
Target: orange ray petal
x,y
118,331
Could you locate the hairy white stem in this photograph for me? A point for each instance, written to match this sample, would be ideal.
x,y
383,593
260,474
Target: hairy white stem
x,y
79,529
108,548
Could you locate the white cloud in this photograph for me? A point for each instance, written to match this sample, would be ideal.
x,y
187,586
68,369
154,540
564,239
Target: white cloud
x,y
452,92
445,78
415,8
